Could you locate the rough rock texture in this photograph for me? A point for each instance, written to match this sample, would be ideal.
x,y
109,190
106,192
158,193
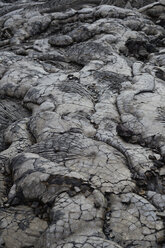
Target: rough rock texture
x,y
82,124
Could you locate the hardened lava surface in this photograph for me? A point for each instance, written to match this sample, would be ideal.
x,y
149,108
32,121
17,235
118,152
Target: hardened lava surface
x,y
82,124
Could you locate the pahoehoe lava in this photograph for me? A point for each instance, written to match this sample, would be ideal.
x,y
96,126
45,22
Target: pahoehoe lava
x,y
82,124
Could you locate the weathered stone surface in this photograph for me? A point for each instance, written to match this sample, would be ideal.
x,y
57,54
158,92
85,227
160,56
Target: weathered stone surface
x,y
133,216
18,224
82,134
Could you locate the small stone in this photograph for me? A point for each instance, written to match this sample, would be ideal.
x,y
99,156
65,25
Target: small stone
x,y
63,40
6,205
77,189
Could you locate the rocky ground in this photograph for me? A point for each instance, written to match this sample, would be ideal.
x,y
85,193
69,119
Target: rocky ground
x,y
82,124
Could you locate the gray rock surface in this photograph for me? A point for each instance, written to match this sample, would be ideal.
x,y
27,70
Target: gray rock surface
x,y
82,124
